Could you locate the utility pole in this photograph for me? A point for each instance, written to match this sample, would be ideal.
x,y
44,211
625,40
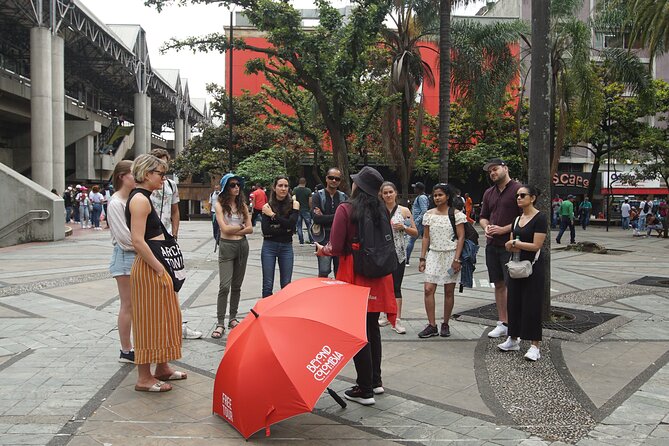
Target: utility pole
x,y
230,107
539,159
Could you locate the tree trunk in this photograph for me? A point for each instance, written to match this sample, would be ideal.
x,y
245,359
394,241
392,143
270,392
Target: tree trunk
x,y
540,111
404,167
340,155
561,133
595,172
444,86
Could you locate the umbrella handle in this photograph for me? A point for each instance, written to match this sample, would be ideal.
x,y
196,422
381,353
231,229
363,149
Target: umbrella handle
x,y
337,398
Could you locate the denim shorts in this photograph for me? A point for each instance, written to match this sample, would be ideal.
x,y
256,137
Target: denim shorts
x,y
121,262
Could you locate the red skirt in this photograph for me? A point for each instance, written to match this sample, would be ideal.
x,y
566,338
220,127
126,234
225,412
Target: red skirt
x,y
381,291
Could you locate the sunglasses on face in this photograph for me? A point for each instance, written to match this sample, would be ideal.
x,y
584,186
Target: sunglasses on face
x,y
160,172
521,196
233,185
333,178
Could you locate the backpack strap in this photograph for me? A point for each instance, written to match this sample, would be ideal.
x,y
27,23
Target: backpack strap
x,y
393,211
451,216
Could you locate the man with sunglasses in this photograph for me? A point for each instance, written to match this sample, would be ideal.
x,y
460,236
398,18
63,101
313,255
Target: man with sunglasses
x,y
324,203
499,210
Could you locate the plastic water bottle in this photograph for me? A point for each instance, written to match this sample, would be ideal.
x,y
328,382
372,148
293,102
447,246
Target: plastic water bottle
x,y
516,255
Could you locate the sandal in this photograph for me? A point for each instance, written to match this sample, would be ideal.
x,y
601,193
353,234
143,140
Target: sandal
x,y
175,376
232,323
157,387
218,332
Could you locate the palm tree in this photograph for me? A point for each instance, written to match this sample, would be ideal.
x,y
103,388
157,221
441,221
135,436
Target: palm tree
x,y
408,72
650,24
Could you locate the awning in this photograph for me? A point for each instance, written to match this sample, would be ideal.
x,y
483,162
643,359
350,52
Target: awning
x,y
636,191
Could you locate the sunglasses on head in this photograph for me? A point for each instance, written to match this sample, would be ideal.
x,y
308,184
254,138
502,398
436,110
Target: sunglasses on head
x,y
333,178
521,195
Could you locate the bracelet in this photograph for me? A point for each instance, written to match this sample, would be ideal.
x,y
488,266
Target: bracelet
x,y
421,259
457,260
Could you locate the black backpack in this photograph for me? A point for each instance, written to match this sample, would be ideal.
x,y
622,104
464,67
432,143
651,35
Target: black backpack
x,y
375,254
470,231
646,208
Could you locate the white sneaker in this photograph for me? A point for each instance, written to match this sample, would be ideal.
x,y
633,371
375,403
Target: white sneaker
x,y
398,327
378,390
533,353
509,345
383,321
499,331
190,334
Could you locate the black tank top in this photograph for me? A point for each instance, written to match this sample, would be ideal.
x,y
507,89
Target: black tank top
x,y
153,224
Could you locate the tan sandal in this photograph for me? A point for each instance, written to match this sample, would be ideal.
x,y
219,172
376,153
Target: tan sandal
x,y
175,376
218,332
160,386
232,323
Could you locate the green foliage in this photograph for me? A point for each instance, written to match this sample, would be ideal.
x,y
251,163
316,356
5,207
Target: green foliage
x,y
265,165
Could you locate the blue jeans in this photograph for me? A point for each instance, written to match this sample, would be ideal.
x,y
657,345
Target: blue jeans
x,y
271,252
625,222
412,240
68,214
585,219
306,217
564,223
326,265
642,222
95,215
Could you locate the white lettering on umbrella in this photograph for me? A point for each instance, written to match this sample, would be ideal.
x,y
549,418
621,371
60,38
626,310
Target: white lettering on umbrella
x,y
324,363
227,407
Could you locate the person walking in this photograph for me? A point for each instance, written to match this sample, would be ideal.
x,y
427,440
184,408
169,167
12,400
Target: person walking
x,y
258,199
403,227
440,256
498,211
234,221
123,255
645,208
84,208
524,308
279,219
420,206
584,212
469,208
324,204
555,210
68,199
96,199
625,214
567,220
303,196
156,315
363,205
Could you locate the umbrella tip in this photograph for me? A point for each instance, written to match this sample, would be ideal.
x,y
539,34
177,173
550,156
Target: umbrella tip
x,y
254,313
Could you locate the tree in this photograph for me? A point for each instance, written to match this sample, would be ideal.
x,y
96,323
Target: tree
x,y
328,61
265,165
650,25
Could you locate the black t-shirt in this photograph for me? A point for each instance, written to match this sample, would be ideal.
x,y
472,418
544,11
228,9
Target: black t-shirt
x,y
537,225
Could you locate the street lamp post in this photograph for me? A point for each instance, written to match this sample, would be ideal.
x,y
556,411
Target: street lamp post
x,y
608,167
230,107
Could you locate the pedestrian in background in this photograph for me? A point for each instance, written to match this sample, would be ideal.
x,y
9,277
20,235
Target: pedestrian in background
x,y
420,206
524,298
156,314
324,203
403,227
123,255
84,208
213,197
555,208
625,214
303,196
258,199
96,199
234,221
166,199
279,219
440,256
498,212
68,199
584,211
567,220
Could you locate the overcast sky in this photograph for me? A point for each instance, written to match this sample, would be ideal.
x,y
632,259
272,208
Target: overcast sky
x,y
181,22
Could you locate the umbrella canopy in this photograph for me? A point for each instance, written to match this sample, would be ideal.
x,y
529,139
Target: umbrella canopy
x,y
282,356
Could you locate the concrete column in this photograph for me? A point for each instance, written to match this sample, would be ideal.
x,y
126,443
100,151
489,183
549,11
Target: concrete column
x,y
148,122
41,131
140,124
84,148
187,130
178,136
58,110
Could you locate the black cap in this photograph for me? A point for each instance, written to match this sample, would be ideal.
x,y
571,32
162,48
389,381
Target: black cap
x,y
493,162
418,185
369,180
570,196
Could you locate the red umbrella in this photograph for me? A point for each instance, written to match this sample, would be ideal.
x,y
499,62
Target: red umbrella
x,y
282,356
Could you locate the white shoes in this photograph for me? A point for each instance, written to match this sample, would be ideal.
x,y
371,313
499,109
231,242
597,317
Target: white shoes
x,y
383,320
378,390
533,353
499,331
399,328
190,334
509,345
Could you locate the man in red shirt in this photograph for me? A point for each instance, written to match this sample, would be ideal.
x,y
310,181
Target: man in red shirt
x,y
258,200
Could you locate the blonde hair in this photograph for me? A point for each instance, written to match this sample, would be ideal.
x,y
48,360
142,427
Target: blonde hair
x,y
122,168
144,164
160,153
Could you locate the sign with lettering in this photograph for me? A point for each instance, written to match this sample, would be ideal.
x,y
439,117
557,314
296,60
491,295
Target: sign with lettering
x,y
572,179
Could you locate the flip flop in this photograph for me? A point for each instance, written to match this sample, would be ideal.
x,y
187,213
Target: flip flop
x,y
157,387
218,332
175,376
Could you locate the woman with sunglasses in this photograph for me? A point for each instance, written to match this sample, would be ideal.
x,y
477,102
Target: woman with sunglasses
x,y
525,295
440,256
234,221
279,218
156,314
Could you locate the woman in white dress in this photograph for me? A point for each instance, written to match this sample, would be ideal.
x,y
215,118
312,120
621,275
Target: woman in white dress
x,y
443,240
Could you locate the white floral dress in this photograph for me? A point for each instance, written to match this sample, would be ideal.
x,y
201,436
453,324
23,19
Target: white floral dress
x,y
399,236
442,247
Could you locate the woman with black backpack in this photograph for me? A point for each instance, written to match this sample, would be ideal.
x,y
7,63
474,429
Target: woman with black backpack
x,y
356,222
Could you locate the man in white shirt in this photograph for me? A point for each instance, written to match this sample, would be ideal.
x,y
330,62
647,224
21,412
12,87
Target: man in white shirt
x,y
625,214
645,208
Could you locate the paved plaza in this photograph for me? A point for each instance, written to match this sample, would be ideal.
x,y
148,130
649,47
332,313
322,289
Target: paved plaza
x,y
60,382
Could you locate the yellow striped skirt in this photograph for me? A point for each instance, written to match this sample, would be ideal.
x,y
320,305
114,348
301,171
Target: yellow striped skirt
x,y
156,315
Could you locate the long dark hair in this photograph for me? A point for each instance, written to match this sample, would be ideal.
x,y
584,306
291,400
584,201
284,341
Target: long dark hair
x,y
281,207
361,203
446,189
225,197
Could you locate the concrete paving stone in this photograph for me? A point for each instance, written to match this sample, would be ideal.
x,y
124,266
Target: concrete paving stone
x,y
34,429
661,431
14,439
83,440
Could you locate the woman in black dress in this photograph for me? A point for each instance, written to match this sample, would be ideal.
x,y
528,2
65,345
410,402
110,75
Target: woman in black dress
x,y
525,296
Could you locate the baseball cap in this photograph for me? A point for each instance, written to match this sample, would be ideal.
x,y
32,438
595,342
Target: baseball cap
x,y
493,162
419,185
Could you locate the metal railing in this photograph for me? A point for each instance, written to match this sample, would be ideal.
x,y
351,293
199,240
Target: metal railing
x,y
28,217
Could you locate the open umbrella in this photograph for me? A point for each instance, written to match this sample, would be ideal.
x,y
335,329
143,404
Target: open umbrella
x,y
282,356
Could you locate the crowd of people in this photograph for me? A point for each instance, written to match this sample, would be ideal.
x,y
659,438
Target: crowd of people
x,y
143,215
